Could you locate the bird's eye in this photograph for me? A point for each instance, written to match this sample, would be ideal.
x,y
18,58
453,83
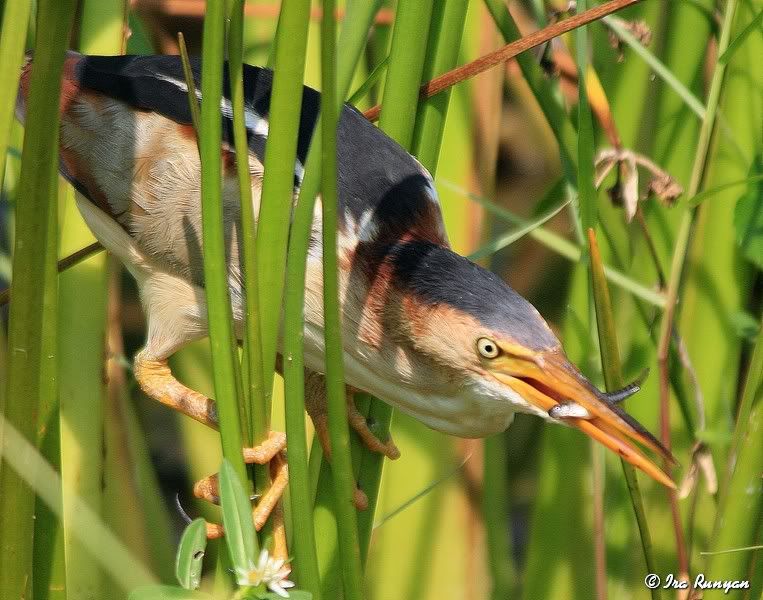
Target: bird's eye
x,y
487,348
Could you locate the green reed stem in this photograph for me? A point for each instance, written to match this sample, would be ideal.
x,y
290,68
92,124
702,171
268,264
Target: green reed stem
x,y
586,144
15,16
259,424
86,415
444,44
397,120
193,101
221,337
26,389
358,17
341,462
740,492
49,558
495,509
613,379
682,239
405,71
278,184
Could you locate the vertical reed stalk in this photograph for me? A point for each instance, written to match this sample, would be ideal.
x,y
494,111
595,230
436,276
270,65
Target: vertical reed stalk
x,y
495,496
610,363
50,581
398,117
15,16
26,390
358,17
84,417
446,30
278,184
740,509
341,464
220,317
254,386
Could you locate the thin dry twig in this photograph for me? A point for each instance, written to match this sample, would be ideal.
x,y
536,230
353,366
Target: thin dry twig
x,y
195,9
509,51
63,264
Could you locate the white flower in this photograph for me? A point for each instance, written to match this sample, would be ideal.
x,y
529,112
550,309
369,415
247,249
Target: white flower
x,y
270,571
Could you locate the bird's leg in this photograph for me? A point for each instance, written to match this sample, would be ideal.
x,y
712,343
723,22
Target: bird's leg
x,y
271,451
156,380
315,403
359,423
208,489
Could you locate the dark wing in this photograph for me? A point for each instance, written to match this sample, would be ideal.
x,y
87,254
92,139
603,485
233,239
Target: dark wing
x,y
384,193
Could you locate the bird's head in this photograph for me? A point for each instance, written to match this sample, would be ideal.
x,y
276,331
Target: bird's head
x,y
484,335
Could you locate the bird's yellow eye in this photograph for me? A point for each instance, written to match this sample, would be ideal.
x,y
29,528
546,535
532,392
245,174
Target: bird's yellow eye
x,y
487,348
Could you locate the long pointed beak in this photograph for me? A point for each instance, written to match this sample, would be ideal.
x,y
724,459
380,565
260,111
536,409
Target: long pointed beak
x,y
551,383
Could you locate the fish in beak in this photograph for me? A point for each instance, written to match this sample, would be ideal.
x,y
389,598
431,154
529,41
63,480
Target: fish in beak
x,y
548,381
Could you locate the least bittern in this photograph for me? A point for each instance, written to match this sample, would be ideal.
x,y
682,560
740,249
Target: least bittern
x,y
426,330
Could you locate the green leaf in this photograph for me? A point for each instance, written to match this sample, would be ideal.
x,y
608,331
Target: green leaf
x,y
739,40
166,592
237,518
370,82
660,69
190,554
704,195
512,236
748,218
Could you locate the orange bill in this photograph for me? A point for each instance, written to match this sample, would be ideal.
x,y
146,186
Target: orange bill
x,y
549,382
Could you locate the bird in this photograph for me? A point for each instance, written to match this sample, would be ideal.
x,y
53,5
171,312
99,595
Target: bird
x,y
426,330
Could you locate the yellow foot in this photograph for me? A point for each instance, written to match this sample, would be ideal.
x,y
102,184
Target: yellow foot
x,y
271,451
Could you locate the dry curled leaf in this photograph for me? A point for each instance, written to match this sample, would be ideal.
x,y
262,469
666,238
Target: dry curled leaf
x,y
701,463
628,185
665,188
625,191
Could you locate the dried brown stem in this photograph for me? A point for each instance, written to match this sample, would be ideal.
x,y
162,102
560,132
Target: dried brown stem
x,y
195,9
509,51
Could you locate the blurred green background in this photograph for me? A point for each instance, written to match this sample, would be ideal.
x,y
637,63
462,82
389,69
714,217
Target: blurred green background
x,y
676,95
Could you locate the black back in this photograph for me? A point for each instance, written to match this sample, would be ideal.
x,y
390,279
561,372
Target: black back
x,y
375,173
